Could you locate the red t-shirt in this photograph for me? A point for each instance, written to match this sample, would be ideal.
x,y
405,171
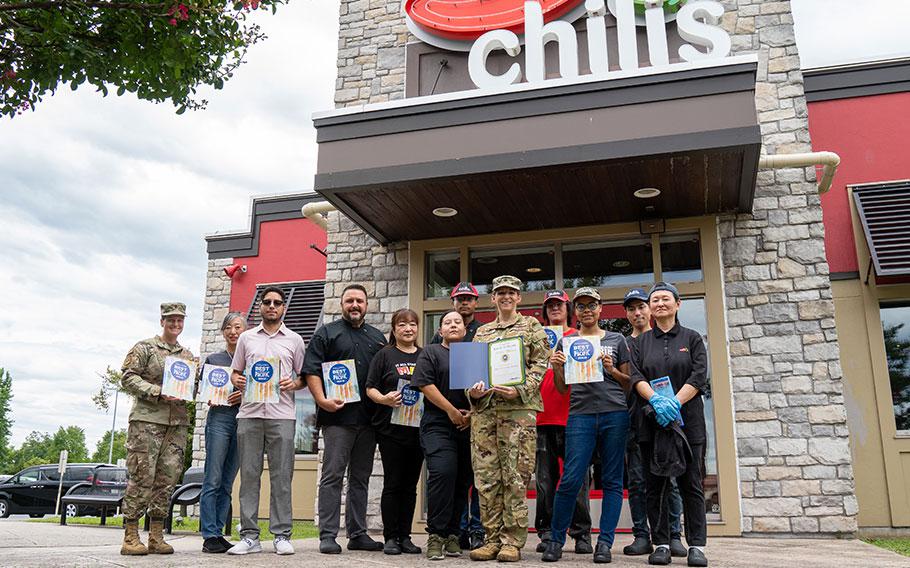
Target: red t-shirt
x,y
555,405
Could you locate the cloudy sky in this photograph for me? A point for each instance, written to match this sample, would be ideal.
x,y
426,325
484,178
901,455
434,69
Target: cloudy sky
x,y
104,202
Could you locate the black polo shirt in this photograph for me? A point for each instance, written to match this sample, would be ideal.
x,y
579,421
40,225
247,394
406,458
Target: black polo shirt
x,y
433,369
338,341
681,355
470,332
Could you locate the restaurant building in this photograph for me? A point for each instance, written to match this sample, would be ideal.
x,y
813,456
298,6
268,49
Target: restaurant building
x,y
635,147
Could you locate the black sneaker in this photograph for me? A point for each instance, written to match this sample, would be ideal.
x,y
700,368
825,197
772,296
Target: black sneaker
x,y
464,541
639,546
214,545
696,557
660,556
364,542
541,546
553,551
329,546
227,544
677,550
475,541
391,547
603,554
583,546
408,547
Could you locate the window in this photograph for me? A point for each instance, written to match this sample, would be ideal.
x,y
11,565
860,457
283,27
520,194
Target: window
x,y
680,258
50,474
896,329
535,266
603,265
28,476
77,474
443,273
306,435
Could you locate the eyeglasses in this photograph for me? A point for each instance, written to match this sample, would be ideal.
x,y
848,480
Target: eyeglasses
x,y
592,306
275,303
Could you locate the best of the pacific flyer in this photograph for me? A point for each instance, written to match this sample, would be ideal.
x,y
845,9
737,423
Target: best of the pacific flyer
x,y
262,381
582,364
411,410
215,386
340,380
179,378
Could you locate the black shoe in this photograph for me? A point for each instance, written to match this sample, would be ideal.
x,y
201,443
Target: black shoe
x,y
677,550
553,551
660,556
541,546
364,542
476,540
391,547
696,558
464,541
603,554
214,544
583,546
408,547
329,546
225,542
639,546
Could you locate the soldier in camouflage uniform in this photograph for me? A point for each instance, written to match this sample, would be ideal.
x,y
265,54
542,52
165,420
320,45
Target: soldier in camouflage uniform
x,y
503,429
157,434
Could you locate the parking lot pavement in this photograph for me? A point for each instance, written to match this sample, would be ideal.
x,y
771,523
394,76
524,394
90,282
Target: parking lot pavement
x,y
29,544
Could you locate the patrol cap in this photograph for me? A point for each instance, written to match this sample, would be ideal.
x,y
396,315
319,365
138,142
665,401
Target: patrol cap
x,y
173,309
588,292
555,295
506,282
666,287
635,294
464,289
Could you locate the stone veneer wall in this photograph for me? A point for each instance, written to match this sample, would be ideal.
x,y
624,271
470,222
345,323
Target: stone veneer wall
x,y
794,457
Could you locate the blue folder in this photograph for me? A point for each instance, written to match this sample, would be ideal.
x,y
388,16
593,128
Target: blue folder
x,y
468,364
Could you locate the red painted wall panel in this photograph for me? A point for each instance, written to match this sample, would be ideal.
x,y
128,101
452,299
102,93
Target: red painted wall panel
x,y
870,134
284,256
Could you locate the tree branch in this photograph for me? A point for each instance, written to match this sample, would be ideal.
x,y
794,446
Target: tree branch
x,y
102,4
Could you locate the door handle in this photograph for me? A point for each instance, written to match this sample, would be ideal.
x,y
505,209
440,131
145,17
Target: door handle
x,y
35,486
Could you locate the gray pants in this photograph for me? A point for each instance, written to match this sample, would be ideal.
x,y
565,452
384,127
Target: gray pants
x,y
348,448
276,439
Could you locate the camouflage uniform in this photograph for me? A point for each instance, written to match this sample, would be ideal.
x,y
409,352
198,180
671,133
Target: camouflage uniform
x,y
156,438
504,436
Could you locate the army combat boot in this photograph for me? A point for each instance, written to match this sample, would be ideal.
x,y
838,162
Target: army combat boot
x,y
488,551
132,546
156,538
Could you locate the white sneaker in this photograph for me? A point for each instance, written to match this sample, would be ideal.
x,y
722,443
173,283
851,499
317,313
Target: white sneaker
x,y
246,546
283,546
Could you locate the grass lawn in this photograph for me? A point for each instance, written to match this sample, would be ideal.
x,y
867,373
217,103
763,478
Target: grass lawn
x,y
301,529
898,545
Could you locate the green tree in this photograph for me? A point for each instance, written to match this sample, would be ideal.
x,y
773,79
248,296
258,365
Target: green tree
x,y
102,449
6,421
110,382
897,353
161,51
71,439
33,451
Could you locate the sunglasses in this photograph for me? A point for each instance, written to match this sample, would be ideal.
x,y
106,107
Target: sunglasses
x,y
275,303
592,306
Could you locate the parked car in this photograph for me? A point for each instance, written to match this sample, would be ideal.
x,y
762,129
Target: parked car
x,y
33,490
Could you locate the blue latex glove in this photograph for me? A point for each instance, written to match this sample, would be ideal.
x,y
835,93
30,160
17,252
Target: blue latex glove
x,y
666,409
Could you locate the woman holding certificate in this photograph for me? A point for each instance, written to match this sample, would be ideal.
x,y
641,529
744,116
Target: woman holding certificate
x,y
396,422
503,423
445,440
595,363
669,371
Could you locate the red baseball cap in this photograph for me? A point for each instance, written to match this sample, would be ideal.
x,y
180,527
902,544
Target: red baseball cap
x,y
464,289
555,295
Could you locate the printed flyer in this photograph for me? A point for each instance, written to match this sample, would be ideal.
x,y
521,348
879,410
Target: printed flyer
x,y
411,410
554,334
262,381
179,378
340,380
215,386
582,364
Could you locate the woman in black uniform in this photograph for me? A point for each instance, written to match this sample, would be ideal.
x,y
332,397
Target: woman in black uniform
x,y
671,350
399,445
446,441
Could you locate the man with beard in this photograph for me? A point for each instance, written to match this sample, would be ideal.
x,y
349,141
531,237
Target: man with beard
x,y
464,301
268,428
346,428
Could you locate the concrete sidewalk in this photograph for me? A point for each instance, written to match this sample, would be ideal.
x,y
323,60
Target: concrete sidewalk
x,y
30,544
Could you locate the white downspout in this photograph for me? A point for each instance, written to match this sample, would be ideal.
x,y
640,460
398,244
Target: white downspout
x,y
315,211
829,160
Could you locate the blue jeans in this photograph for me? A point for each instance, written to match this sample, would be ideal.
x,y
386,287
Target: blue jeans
x,y
608,431
470,519
638,495
221,464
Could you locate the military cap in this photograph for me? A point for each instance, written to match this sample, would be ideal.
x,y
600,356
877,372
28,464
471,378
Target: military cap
x,y
506,282
464,289
173,309
587,292
666,287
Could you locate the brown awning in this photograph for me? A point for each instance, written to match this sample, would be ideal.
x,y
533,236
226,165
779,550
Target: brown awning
x,y
884,211
560,156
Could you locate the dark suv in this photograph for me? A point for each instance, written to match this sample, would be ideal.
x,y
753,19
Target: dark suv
x,y
34,489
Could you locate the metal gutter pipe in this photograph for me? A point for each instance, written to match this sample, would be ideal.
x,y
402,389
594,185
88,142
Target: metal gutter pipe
x,y
315,212
829,160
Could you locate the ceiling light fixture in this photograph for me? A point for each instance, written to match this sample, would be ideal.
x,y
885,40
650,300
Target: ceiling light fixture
x,y
621,264
445,212
533,270
646,192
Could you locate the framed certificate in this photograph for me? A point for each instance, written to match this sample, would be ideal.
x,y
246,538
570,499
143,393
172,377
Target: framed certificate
x,y
507,362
